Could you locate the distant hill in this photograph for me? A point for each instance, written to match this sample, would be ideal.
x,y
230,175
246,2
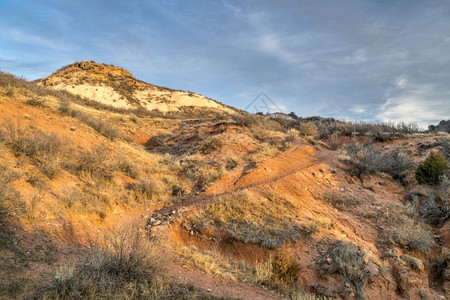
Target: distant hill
x,y
117,87
443,126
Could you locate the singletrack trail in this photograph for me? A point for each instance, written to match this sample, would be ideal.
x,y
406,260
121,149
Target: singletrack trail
x,y
298,158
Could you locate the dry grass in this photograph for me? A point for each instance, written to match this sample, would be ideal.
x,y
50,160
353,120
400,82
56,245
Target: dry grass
x,y
269,221
347,260
102,126
405,229
308,129
149,188
212,262
46,150
368,159
10,198
93,163
210,145
279,273
265,150
129,266
340,200
127,167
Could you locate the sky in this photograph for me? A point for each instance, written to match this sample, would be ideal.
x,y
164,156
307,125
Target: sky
x,y
379,60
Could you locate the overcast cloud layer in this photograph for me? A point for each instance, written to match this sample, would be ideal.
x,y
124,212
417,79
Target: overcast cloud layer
x,y
354,60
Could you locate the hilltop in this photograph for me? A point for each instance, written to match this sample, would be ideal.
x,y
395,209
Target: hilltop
x,y
106,201
117,87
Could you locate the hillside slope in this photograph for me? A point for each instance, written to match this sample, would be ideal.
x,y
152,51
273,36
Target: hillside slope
x,y
231,206
117,87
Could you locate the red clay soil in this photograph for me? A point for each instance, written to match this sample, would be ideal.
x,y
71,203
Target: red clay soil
x,y
216,285
304,172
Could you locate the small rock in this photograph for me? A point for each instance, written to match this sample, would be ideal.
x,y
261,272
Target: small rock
x,y
191,232
72,128
329,260
321,170
208,290
372,269
342,189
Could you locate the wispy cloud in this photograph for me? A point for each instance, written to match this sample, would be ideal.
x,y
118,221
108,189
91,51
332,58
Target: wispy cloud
x,y
33,40
354,59
420,103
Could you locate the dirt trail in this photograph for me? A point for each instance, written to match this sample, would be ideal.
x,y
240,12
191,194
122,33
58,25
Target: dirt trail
x,y
298,158
218,286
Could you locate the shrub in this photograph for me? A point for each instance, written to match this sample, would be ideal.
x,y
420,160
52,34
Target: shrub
x,y
291,136
232,161
412,235
129,168
209,176
308,129
285,269
148,187
101,126
35,102
128,267
338,200
211,145
348,261
262,127
413,262
437,209
430,171
367,159
93,163
279,272
45,149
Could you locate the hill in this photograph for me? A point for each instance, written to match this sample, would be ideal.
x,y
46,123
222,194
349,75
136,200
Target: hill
x,y
99,201
117,87
443,126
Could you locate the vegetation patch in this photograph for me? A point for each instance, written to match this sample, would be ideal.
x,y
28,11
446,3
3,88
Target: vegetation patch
x,y
406,230
269,221
128,267
347,260
368,159
211,145
45,149
432,169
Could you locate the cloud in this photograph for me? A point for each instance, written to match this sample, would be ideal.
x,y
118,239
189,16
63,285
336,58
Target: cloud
x,y
357,109
20,36
423,104
354,59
